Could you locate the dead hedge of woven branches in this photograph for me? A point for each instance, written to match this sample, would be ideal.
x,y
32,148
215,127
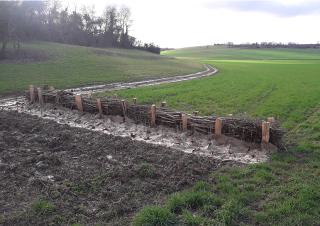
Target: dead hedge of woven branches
x,y
249,130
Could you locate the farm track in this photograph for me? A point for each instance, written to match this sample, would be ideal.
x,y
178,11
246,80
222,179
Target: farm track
x,y
210,71
129,85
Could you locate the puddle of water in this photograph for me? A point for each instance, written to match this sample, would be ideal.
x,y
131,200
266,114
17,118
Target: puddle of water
x,y
114,125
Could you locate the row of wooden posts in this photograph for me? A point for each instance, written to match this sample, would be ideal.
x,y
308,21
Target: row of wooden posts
x,y
184,117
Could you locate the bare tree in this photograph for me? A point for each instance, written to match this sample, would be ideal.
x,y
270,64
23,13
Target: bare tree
x,y
5,17
124,16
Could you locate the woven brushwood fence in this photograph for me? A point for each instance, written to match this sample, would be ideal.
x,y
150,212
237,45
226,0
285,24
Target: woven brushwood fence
x,y
249,130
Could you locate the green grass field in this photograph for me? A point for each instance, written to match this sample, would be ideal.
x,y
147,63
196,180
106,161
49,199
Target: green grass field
x,y
258,83
70,66
223,53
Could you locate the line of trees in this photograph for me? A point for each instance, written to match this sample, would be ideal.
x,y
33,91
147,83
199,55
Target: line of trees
x,y
49,21
257,45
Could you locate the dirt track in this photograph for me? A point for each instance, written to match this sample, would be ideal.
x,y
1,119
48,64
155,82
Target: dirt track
x,y
89,177
128,85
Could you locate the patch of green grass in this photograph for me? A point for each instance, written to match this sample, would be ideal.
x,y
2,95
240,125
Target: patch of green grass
x,y
191,219
43,207
154,216
191,200
71,66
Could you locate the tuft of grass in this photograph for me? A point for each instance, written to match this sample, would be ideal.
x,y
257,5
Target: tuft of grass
x,y
201,186
146,170
43,207
154,216
190,200
190,219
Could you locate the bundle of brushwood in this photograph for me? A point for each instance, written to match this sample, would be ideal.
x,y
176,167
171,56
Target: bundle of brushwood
x,y
202,124
139,113
250,130
168,117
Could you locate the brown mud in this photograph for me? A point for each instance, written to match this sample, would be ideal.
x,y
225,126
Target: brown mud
x,y
84,176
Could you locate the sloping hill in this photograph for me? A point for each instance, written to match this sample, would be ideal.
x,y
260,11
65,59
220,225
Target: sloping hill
x,y
224,53
71,66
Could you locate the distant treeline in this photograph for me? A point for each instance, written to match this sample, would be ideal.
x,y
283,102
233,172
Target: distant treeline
x,y
49,21
269,45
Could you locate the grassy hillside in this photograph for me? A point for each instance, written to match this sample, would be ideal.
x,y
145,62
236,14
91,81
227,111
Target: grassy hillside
x,y
223,53
70,66
279,82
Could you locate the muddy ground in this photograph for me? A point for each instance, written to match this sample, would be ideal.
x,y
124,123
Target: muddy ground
x,y
82,176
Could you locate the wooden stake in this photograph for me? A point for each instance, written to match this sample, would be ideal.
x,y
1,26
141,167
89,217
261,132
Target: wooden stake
x,y
57,98
99,106
163,104
134,100
40,96
153,115
193,129
124,109
184,122
265,132
78,100
218,127
106,109
32,93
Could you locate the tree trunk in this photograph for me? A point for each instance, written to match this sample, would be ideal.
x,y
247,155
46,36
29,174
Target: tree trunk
x,y
3,49
19,45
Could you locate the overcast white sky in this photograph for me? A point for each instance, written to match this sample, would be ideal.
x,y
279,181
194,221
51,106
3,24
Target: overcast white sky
x,y
182,23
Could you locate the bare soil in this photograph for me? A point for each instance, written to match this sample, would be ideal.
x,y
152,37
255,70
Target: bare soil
x,y
88,177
